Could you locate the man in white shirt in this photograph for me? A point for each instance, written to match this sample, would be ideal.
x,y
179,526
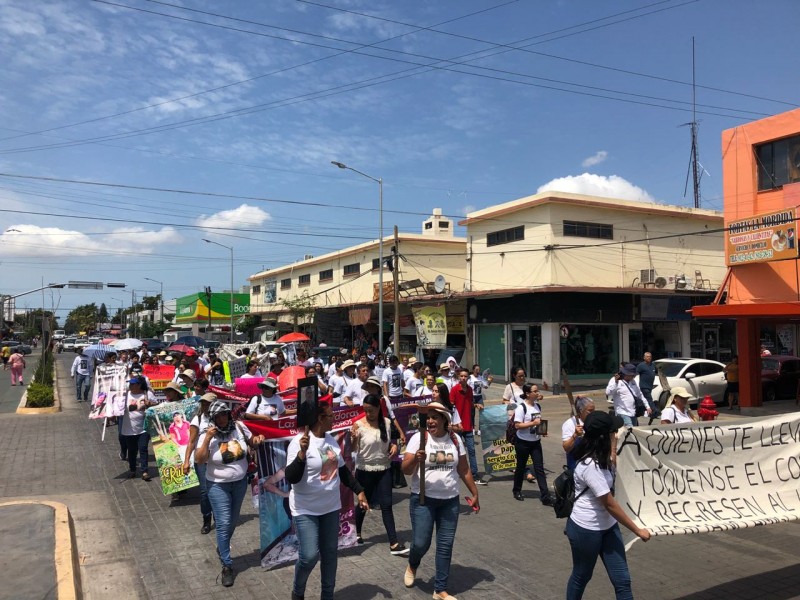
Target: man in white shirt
x,y
392,379
348,376
409,368
315,357
623,391
81,372
414,382
355,393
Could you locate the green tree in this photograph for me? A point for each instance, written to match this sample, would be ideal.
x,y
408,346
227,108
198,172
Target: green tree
x,y
103,313
247,325
300,307
81,318
30,323
151,302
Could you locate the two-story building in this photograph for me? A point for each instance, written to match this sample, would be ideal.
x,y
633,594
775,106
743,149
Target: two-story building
x,y
761,291
564,281
341,287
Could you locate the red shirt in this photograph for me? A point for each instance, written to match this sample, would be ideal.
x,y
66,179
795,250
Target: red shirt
x,y
463,401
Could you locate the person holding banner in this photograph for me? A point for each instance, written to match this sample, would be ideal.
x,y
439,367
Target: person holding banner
x,y
316,470
593,527
677,407
375,449
222,449
445,459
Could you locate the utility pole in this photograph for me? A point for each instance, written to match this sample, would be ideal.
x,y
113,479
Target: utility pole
x,y
208,303
396,277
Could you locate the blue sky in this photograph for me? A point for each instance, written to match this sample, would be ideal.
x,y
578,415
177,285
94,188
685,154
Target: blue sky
x,y
84,83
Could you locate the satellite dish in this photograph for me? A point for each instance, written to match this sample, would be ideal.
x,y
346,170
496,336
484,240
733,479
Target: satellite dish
x,y
660,282
439,284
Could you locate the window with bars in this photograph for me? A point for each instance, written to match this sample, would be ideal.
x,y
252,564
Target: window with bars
x,y
304,280
352,270
326,275
505,236
588,230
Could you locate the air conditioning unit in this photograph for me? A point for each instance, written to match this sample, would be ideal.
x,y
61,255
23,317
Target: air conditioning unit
x,y
647,275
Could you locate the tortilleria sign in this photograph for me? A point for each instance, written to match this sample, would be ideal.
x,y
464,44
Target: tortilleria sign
x,y
762,238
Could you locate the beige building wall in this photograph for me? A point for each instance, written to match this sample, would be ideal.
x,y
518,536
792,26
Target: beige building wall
x,y
547,257
426,256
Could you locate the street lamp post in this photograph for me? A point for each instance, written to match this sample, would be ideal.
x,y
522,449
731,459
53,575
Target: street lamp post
x,y
121,307
379,181
231,307
161,297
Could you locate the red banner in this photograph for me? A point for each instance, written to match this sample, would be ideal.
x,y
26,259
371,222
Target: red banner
x,y
286,427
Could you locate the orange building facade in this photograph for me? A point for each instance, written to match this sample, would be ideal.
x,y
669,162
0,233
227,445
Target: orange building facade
x,y
761,192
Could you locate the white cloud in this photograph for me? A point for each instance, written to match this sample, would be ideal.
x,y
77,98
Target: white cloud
x,y
468,209
589,184
34,241
243,217
595,159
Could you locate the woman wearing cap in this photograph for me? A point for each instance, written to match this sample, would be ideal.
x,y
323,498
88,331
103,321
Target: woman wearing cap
x,y
441,494
222,448
527,418
677,410
370,439
316,469
132,431
593,526
267,405
198,424
572,429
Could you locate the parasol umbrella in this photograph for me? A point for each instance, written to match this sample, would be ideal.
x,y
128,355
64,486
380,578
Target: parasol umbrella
x,y
183,348
108,341
98,351
293,337
128,344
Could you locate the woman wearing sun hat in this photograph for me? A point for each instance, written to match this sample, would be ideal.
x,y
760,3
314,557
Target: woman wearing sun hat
x,y
677,410
445,459
593,527
222,448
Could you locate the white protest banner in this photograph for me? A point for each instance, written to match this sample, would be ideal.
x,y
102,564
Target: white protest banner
x,y
710,475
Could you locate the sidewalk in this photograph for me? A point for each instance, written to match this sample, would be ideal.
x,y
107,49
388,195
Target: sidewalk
x,y
136,543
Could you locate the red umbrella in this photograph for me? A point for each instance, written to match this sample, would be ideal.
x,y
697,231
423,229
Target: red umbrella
x,y
293,337
289,376
180,348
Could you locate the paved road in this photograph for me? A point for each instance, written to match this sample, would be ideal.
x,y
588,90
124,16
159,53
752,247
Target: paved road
x,y
10,395
135,543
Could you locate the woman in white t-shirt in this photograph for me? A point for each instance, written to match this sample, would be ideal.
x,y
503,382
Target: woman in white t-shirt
x,y
268,404
132,430
223,449
445,462
527,419
316,470
677,409
513,391
198,425
593,526
371,440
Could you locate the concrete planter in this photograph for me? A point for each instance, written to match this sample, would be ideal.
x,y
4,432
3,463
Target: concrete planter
x,y
22,409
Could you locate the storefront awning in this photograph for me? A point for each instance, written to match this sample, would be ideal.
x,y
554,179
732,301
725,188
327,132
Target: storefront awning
x,y
733,311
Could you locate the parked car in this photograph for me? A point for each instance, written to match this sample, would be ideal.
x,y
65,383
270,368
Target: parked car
x,y
155,344
80,344
68,344
779,377
699,376
17,346
190,340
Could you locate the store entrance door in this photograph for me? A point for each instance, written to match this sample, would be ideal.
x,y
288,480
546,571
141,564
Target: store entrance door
x,y
519,349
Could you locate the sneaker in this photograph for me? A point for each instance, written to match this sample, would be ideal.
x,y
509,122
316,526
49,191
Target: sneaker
x,y
359,540
409,576
443,596
398,550
478,432
481,482
227,576
146,476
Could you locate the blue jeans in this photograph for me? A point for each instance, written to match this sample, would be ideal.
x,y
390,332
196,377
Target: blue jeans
x,y
443,514
629,421
226,502
587,545
319,538
80,381
205,503
469,443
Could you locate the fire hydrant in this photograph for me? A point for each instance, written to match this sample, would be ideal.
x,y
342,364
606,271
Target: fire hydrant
x,y
708,410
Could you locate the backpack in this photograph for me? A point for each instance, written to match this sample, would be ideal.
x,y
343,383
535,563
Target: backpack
x,y
511,430
564,497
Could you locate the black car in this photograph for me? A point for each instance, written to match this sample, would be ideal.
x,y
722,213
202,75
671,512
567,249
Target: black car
x,y
779,376
154,344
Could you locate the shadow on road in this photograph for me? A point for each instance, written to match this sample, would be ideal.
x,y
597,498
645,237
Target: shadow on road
x,y
780,584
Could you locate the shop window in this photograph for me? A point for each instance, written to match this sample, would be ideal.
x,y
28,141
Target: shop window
x,y
589,351
778,163
588,230
304,280
326,275
352,270
506,236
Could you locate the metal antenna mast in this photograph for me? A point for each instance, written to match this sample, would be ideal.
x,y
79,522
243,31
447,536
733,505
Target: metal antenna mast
x,y
693,158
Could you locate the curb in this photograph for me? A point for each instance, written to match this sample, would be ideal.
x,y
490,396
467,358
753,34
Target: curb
x,y
48,410
65,551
